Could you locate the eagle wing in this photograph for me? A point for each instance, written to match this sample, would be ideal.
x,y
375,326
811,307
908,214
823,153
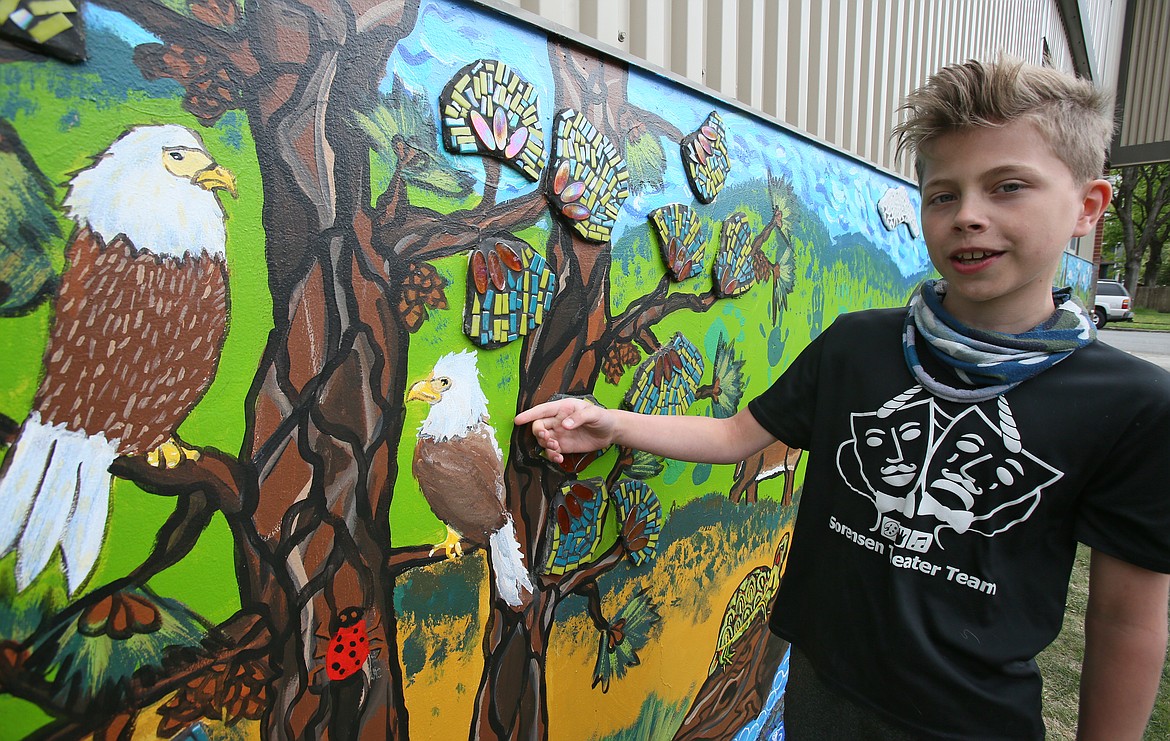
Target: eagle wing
x,y
461,481
135,341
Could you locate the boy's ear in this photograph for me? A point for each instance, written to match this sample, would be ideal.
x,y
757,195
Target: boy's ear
x,y
1095,199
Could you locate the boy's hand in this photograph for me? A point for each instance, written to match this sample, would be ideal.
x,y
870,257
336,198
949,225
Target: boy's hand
x,y
569,426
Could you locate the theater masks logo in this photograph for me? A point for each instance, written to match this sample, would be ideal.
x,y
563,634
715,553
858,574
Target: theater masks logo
x,y
927,472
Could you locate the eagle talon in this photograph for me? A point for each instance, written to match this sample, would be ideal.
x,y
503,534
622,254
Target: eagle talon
x,y
452,544
170,454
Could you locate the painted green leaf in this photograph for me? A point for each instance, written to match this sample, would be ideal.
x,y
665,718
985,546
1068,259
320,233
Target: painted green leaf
x,y
28,227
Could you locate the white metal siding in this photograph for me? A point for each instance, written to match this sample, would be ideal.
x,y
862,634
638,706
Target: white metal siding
x,y
1145,130
835,69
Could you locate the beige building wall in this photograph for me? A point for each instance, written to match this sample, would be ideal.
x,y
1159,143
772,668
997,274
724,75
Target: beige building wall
x,y
1144,135
838,69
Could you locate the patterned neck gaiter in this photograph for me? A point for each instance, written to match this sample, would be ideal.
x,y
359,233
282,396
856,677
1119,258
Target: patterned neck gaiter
x,y
992,362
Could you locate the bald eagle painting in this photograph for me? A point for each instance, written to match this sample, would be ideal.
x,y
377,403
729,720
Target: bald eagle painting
x,y
138,323
459,468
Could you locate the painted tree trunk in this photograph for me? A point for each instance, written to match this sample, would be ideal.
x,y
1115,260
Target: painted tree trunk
x,y
335,367
733,694
321,409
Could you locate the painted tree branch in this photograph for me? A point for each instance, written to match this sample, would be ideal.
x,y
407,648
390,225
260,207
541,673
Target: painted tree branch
x,y
191,516
649,309
573,581
168,24
200,487
592,595
247,634
404,559
646,312
708,391
31,686
766,232
422,234
203,52
220,476
215,482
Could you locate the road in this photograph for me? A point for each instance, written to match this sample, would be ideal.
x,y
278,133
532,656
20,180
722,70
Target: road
x,y
1151,346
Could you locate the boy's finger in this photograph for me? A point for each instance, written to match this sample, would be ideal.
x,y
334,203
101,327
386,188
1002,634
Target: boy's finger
x,y
528,415
540,411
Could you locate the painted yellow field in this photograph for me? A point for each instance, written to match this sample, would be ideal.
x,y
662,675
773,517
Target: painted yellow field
x,y
691,582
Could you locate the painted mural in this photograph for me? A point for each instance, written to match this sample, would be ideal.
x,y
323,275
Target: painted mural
x,y
275,278
1078,274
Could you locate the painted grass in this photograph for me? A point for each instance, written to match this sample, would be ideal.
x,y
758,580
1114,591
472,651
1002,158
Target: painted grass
x,y
1060,664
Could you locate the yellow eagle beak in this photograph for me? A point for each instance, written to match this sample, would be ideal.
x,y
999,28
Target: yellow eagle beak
x,y
217,177
424,390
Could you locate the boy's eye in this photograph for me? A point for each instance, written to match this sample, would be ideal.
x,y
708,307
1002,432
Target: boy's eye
x,y
1011,187
941,198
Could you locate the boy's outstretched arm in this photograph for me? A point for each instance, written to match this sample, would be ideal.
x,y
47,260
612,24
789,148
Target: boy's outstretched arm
x,y
1125,647
577,426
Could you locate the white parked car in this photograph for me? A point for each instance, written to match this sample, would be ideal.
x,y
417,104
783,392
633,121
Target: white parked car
x,y
1113,303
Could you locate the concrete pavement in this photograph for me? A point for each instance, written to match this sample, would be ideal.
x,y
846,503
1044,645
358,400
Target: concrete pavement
x,y
1151,346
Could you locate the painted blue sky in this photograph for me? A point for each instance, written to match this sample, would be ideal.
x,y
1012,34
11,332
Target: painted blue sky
x,y
842,190
100,19
448,36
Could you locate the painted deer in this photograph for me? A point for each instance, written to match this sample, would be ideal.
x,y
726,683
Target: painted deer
x,y
775,460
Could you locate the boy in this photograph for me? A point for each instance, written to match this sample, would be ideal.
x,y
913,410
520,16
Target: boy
x,y
952,468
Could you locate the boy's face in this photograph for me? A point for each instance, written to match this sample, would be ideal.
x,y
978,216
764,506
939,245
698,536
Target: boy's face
x,y
998,208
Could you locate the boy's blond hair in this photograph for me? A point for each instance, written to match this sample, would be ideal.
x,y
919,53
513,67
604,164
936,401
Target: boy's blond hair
x,y
1074,116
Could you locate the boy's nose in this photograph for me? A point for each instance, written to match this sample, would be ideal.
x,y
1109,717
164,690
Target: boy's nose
x,y
970,217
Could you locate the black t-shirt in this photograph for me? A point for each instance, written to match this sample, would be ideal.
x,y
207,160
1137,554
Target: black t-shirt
x,y
934,542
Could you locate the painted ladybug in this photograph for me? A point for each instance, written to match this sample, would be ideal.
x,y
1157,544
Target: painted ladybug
x,y
350,646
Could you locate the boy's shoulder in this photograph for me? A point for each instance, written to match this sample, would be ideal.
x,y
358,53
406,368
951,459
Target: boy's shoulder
x,y
868,326
874,332
1114,364
870,319
1101,374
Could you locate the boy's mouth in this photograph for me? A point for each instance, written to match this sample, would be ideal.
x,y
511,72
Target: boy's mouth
x,y
973,258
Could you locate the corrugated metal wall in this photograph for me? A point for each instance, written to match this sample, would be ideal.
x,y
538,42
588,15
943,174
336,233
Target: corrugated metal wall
x,y
834,69
1145,129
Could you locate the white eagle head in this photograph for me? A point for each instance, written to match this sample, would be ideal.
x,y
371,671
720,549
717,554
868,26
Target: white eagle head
x,y
457,402
156,185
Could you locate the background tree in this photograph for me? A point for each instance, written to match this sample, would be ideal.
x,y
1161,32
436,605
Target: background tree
x,y
1141,204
